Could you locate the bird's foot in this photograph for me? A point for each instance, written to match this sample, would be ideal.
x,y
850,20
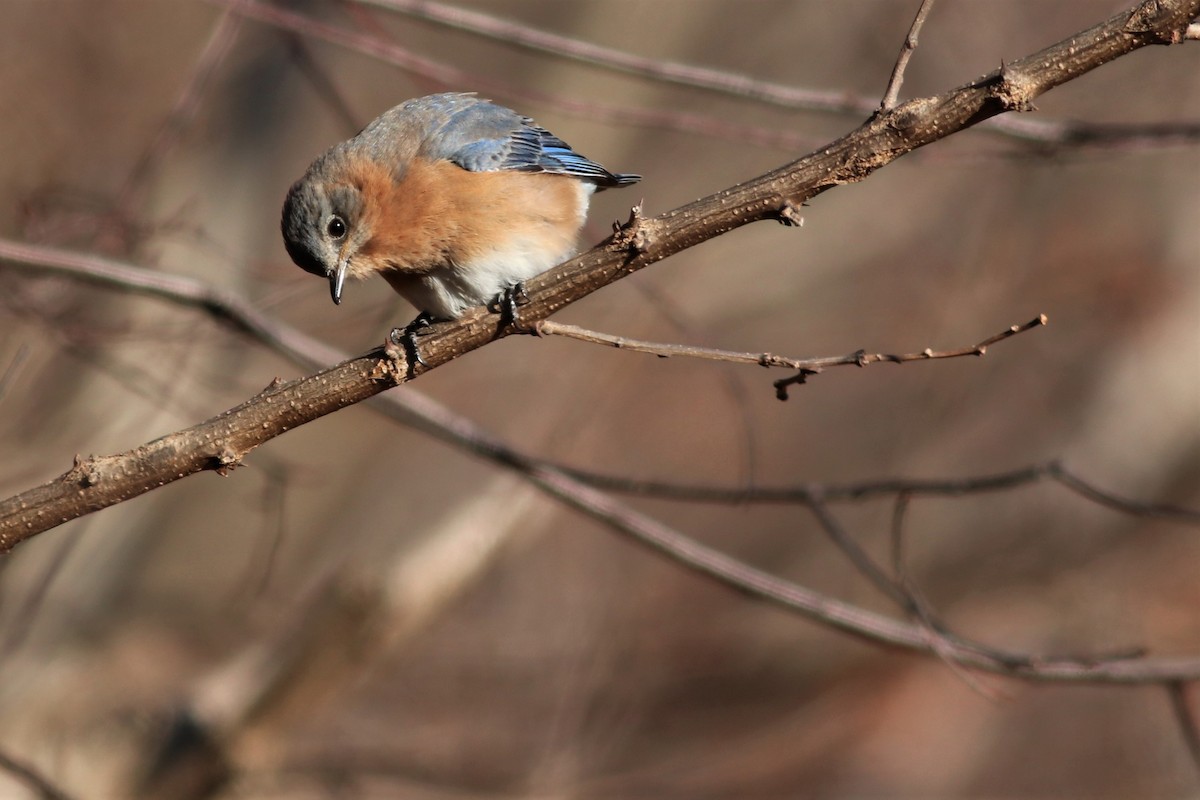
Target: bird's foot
x,y
406,337
510,302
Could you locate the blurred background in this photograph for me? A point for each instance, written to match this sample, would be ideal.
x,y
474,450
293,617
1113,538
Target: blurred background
x,y
363,611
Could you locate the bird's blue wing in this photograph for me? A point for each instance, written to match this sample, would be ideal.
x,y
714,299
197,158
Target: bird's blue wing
x,y
483,137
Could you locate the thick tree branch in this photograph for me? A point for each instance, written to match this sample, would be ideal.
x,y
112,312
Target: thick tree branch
x,y
222,442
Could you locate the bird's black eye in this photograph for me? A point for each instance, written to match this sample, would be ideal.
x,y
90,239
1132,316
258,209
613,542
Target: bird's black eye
x,y
336,227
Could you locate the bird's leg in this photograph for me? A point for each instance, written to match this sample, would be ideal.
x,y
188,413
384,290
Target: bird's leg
x,y
510,301
406,337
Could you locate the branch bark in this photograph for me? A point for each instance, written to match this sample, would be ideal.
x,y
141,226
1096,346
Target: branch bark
x,y
222,442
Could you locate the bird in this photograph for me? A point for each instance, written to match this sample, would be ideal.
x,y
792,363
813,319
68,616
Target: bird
x,y
452,199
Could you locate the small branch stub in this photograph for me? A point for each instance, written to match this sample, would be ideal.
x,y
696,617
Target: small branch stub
x,y
634,234
84,472
789,215
227,461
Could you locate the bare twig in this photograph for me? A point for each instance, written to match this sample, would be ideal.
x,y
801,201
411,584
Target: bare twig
x,y
807,366
1066,477
892,92
940,635
834,613
859,557
861,359
805,494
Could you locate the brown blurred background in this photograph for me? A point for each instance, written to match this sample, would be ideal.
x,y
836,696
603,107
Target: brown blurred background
x,y
441,630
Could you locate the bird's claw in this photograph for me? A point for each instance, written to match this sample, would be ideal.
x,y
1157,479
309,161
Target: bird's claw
x,y
406,337
510,301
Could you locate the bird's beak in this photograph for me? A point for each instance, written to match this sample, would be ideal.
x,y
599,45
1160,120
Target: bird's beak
x,y
337,278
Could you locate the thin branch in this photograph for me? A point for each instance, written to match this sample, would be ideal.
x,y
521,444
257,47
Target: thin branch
x,y
859,558
842,616
861,359
892,93
803,494
807,366
920,609
1177,692
1069,479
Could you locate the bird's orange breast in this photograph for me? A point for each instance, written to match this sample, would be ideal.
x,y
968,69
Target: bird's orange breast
x,y
442,216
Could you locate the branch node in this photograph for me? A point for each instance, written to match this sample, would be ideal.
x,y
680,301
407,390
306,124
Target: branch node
x,y
275,383
1147,17
634,235
789,215
388,369
227,461
1012,92
84,471
801,377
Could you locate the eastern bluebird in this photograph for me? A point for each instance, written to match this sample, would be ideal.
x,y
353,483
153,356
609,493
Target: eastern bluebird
x,y
452,199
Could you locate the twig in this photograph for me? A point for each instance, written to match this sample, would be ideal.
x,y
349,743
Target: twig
x,y
892,92
920,609
941,639
1069,479
834,613
861,359
859,557
1177,692
31,778
807,366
